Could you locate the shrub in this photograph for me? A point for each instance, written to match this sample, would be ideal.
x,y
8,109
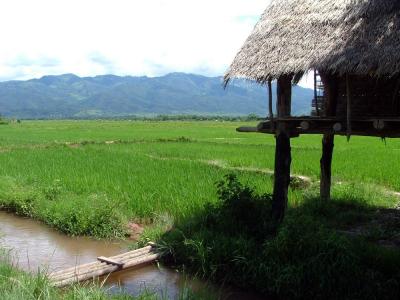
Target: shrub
x,y
236,242
240,209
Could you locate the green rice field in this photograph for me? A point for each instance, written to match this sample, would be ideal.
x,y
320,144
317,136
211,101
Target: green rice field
x,y
139,170
94,177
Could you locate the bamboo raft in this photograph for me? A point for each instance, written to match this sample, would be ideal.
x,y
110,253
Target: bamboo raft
x,y
104,266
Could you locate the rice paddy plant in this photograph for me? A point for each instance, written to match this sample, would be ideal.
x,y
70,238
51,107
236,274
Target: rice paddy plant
x,y
81,191
135,170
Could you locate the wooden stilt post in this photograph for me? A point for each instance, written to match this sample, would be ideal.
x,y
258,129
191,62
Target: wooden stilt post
x,y
270,110
316,93
330,85
283,160
326,166
348,108
283,157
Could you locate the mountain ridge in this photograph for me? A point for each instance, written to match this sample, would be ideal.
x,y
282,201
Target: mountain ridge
x,y
71,96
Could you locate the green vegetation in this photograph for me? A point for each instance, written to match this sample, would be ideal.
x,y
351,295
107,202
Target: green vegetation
x,y
188,117
306,257
92,177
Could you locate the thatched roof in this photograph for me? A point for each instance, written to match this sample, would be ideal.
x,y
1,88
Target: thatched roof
x,y
340,36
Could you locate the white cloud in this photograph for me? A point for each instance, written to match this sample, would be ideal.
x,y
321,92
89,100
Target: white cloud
x,y
308,80
152,37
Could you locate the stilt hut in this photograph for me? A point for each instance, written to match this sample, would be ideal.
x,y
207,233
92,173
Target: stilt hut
x,y
353,46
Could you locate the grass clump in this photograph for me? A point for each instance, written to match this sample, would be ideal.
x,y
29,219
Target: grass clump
x,y
96,216
235,241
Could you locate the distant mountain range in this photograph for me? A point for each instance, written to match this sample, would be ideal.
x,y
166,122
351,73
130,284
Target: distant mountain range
x,y
70,96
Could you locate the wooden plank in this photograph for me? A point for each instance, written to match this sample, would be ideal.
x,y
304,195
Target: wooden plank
x,y
110,261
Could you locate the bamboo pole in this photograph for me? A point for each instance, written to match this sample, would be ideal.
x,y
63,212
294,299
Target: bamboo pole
x,y
78,271
108,269
99,267
83,269
119,256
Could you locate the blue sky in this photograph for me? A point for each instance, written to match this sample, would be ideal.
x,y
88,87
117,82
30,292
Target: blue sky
x,y
122,37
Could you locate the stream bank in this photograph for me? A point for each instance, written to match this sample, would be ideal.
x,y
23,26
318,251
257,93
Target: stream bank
x,y
34,246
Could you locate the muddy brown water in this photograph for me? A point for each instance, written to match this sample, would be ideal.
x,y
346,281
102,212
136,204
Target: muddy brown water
x,y
34,246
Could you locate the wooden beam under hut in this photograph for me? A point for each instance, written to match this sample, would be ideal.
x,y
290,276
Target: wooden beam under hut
x,y
295,126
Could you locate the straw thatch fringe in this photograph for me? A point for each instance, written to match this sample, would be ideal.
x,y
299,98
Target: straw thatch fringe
x,y
339,36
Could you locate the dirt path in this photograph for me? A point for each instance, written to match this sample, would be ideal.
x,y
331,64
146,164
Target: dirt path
x,y
301,180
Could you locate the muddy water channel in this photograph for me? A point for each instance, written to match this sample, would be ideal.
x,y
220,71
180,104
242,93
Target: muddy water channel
x,y
35,246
